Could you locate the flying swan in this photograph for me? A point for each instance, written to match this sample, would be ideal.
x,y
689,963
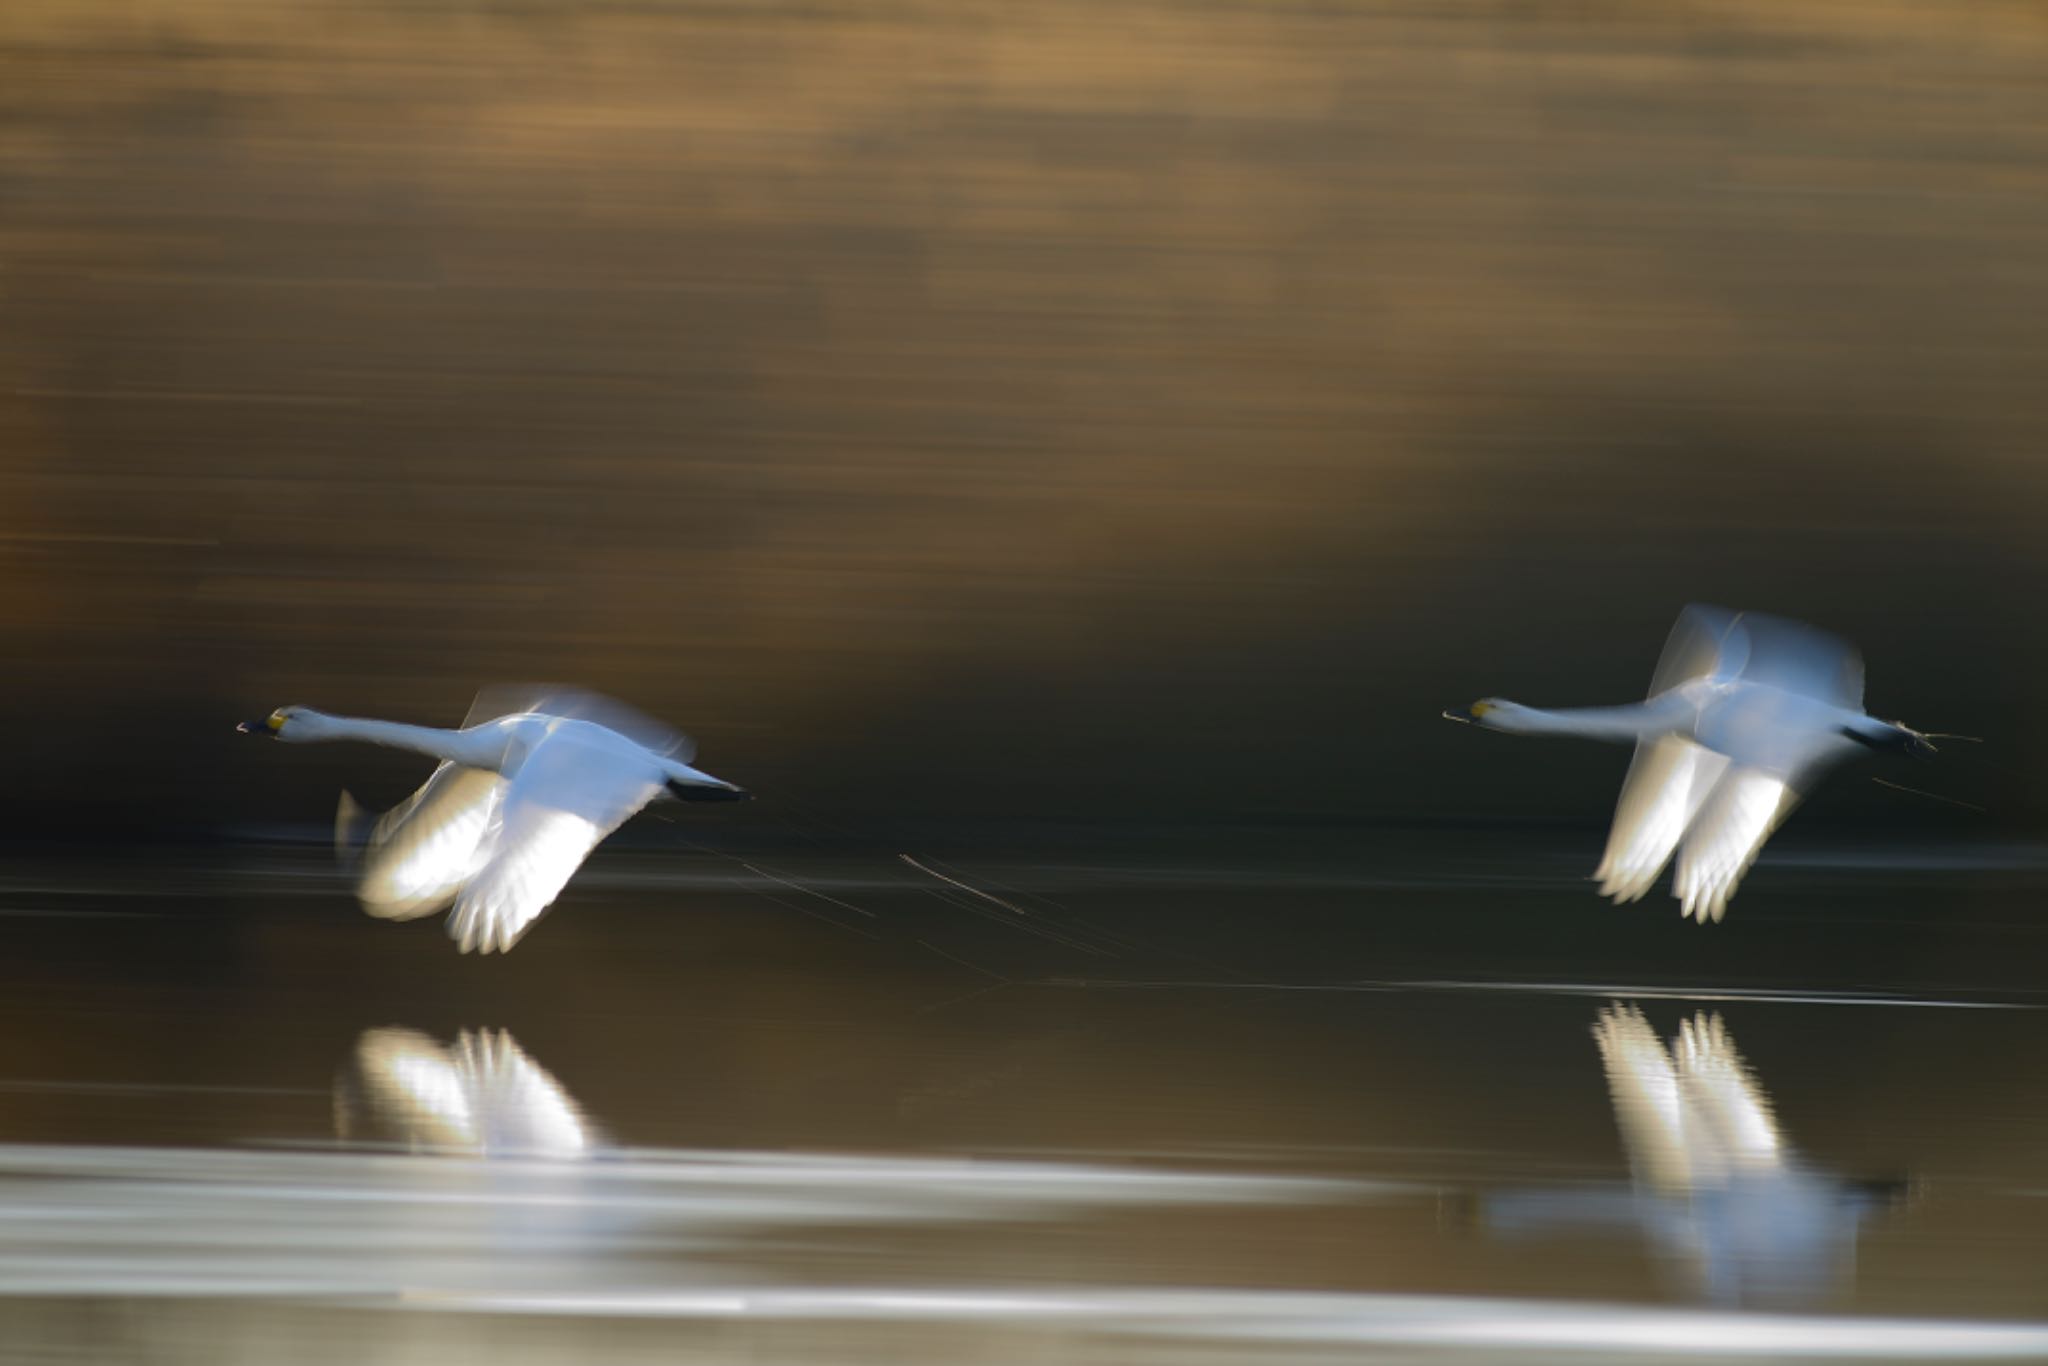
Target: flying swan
x,y
1745,713
531,783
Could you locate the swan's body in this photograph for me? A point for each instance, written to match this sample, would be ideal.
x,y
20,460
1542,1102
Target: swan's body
x,y
1715,1185
1745,713
518,803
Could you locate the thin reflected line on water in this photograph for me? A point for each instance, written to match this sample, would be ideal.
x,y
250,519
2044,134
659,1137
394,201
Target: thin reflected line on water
x,y
1112,984
1931,796
122,1088
1759,995
1011,907
972,967
1303,1317
1017,892
1597,990
1019,918
809,891
819,916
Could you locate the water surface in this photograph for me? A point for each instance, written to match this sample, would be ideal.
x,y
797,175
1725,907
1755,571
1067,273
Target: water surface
x,y
976,1108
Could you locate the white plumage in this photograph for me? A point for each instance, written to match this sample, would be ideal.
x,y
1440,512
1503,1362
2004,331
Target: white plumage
x,y
1745,713
1692,1118
521,798
1714,1185
482,1095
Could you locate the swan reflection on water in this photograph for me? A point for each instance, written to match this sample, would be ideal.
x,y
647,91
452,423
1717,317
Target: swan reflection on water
x,y
1715,1188
513,1205
481,1096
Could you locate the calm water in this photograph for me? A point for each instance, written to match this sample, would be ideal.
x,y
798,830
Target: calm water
x,y
1049,1110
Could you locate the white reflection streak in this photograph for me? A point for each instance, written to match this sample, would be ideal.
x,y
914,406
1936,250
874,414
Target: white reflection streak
x,y
1692,1122
484,1095
1648,992
379,1226
674,1233
1715,1185
1727,1096
1322,1318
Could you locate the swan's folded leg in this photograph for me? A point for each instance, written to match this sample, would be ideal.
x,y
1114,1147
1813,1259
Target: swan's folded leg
x,y
352,821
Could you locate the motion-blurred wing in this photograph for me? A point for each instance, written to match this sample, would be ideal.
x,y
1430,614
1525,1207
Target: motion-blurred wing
x,y
1713,642
1666,784
1648,1108
518,1106
426,847
1704,642
1725,838
1722,1096
554,699
1802,659
568,795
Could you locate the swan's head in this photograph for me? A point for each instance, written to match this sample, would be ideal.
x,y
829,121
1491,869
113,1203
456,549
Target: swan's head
x,y
287,723
1492,713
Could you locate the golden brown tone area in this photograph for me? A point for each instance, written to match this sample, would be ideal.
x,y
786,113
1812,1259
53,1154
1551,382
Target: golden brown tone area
x,y
897,392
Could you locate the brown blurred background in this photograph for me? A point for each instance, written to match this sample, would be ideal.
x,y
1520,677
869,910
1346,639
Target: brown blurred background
x,y
1084,411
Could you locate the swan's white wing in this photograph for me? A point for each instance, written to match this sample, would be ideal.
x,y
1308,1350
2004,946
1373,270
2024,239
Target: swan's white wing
x,y
1705,642
519,1107
1725,838
1668,780
568,795
1713,642
1648,1106
1722,1095
555,699
1803,660
426,847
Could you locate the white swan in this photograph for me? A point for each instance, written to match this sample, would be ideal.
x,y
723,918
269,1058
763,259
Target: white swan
x,y
519,801
1745,713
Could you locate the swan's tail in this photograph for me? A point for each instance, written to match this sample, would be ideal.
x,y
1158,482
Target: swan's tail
x,y
352,822
686,784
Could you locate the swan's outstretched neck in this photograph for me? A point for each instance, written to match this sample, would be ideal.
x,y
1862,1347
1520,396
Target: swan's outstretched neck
x,y
458,746
1631,722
